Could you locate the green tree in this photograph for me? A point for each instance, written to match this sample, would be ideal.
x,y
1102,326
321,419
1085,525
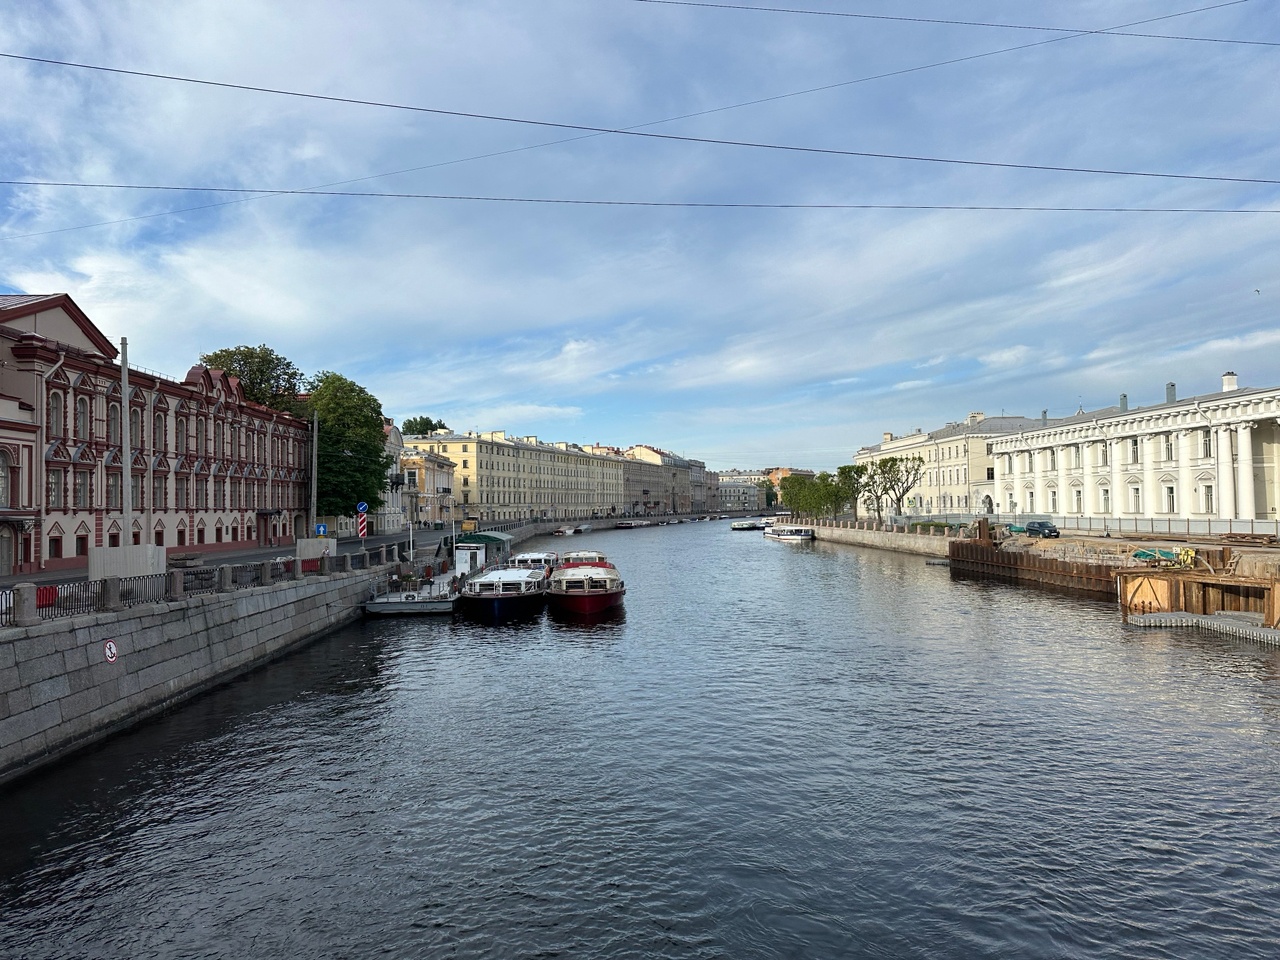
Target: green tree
x,y
265,376
421,426
889,480
851,478
352,461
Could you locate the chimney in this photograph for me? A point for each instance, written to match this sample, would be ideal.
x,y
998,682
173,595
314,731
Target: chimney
x,y
1229,381
887,437
1124,402
1170,392
1044,418
976,417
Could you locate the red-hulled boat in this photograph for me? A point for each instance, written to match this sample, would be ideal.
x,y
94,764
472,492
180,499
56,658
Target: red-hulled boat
x,y
585,582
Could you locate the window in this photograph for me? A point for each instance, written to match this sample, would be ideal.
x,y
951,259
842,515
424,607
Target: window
x,y
1053,459
158,499
82,546
1135,499
1031,501
181,486
80,490
1208,498
412,479
113,494
1106,454
1104,500
1077,501
113,539
1169,453
158,432
113,423
135,428
1170,504
1053,501
1135,451
55,548
82,418
1075,456
135,492
182,537
54,428
201,437
159,538
1206,443
180,436
57,480
466,464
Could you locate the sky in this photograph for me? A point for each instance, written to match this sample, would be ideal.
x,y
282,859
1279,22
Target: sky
x,y
816,229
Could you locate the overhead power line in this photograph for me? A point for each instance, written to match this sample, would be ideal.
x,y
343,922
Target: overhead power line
x,y
648,134
965,23
678,204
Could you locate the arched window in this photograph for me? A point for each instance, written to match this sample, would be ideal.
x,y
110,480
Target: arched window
x,y
217,439
135,428
82,418
158,433
201,438
113,423
54,426
180,437
4,480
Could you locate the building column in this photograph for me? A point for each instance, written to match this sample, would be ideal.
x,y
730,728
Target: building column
x,y
1150,453
1248,507
1225,473
1187,501
1064,482
1113,474
1015,474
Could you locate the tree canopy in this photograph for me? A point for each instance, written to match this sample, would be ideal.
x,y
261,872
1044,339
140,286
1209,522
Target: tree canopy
x,y
351,448
421,426
890,479
265,376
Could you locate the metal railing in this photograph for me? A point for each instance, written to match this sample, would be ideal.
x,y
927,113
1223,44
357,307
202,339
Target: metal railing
x,y
246,575
198,580
68,599
153,588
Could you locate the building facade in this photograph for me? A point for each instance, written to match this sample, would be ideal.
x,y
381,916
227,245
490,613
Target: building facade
x,y
513,478
959,463
206,469
1209,457
427,494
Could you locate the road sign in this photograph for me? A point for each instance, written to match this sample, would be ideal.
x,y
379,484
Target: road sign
x,y
362,507
362,525
109,651
322,529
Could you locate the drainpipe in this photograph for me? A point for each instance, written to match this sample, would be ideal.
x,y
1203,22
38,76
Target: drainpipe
x,y
126,448
42,481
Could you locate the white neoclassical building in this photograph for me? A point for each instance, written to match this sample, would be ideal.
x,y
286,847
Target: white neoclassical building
x,y
1207,462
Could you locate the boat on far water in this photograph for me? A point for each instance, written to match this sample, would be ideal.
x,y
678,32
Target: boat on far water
x,y
585,583
789,532
747,525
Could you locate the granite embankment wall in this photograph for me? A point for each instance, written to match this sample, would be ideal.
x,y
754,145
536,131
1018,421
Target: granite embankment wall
x,y
899,540
67,683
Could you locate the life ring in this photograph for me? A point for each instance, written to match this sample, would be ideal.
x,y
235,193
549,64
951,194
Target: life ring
x,y
410,596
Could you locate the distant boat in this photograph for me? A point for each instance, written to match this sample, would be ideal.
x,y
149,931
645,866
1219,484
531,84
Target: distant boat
x,y
629,524
789,532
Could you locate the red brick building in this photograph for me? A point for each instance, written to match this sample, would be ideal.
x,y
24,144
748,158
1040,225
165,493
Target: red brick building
x,y
208,469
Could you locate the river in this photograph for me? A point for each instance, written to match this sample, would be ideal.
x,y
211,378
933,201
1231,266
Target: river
x,y
781,751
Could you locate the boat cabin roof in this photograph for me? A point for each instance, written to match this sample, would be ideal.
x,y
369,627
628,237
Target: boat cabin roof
x,y
586,557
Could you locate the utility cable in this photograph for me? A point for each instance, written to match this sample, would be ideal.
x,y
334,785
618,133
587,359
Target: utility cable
x,y
675,204
633,132
961,23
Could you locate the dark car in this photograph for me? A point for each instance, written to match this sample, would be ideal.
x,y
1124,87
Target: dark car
x,y
1041,528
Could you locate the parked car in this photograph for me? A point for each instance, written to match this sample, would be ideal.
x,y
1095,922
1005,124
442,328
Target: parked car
x,y
1041,528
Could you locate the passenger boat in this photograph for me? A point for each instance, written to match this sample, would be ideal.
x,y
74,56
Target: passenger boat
x,y
630,524
544,560
747,525
789,532
400,603
505,591
585,583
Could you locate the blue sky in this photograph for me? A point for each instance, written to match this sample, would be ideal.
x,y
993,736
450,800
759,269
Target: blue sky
x,y
742,336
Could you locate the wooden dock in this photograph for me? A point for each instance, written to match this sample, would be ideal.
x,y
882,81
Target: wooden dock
x,y
981,558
